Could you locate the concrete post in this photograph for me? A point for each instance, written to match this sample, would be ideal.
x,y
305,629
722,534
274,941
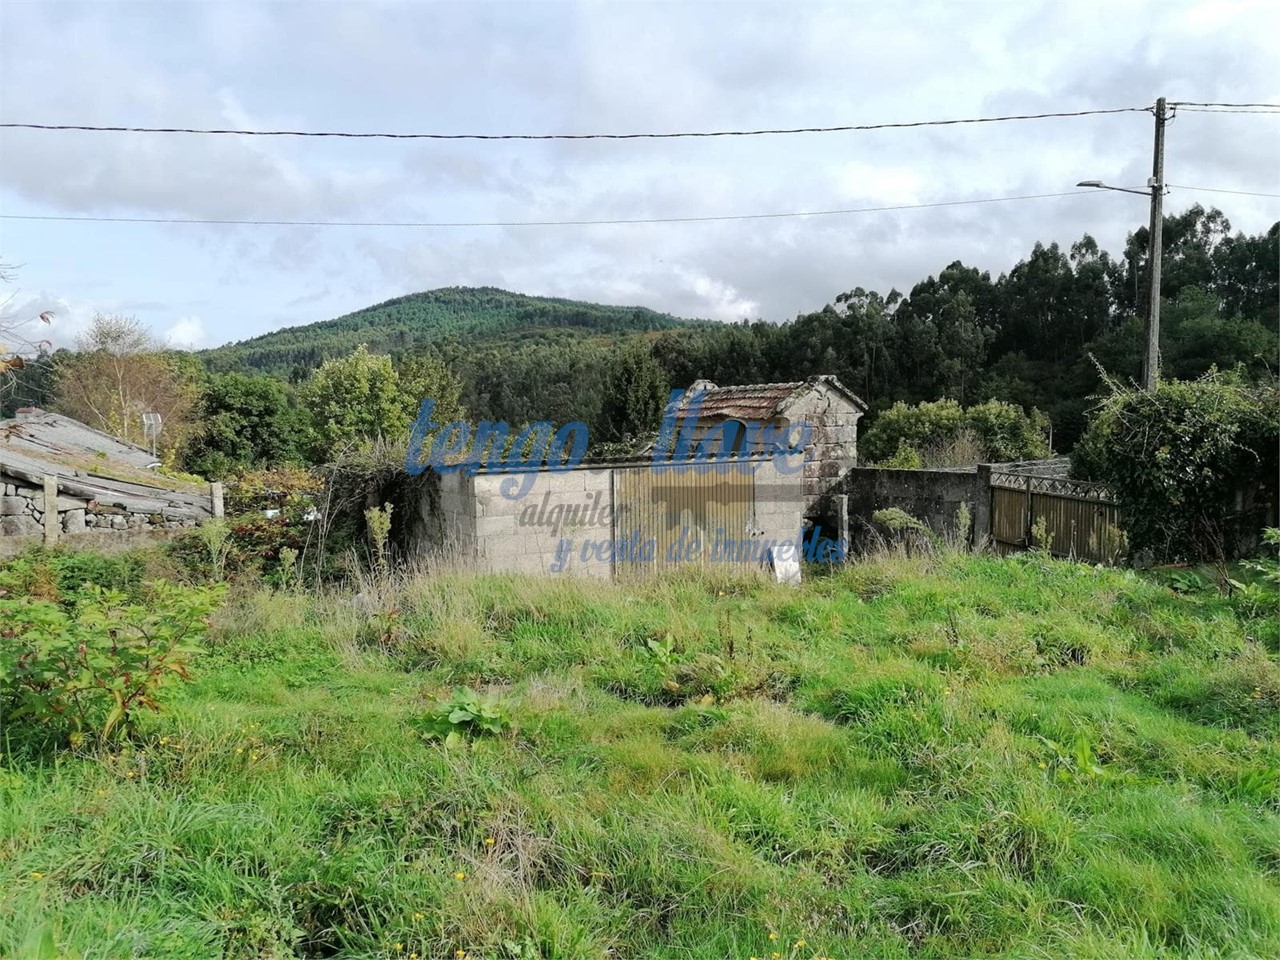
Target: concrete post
x,y
842,509
215,500
52,527
981,534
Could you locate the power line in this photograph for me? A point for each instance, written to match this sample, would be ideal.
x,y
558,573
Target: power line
x,y
86,128
1268,113
1194,103
1239,193
536,223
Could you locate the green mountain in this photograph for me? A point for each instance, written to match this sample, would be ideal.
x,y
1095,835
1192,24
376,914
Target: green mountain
x,y
408,323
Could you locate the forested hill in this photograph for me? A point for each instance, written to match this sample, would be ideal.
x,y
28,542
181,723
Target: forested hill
x,y
406,324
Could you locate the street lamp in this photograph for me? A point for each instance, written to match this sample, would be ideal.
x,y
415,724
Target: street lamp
x,y
1099,185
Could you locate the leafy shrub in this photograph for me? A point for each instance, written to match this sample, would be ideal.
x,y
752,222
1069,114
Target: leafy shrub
x,y
1192,464
285,489
62,577
463,713
994,431
92,667
904,458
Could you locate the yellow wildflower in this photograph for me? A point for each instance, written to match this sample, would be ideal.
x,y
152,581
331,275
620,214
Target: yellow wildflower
x,y
419,916
459,875
773,936
489,841
799,944
37,875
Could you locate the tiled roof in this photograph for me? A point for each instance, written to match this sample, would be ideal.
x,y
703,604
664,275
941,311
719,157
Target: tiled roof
x,y
752,401
758,401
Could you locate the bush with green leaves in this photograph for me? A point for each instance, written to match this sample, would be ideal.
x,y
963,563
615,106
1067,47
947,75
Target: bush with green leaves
x,y
904,526
995,432
62,577
246,420
88,670
1193,464
463,713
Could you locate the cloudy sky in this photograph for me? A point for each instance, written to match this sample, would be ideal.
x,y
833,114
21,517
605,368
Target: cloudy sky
x,y
584,68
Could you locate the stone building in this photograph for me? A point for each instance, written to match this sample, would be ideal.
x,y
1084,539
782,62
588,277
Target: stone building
x,y
829,408
60,478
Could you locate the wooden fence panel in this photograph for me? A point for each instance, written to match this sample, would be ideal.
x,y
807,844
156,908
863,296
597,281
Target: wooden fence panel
x,y
1076,519
1008,519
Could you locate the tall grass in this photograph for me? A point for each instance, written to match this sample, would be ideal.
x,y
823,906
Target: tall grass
x,y
926,755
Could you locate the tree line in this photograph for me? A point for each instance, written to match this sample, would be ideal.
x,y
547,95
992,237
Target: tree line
x,y
1040,338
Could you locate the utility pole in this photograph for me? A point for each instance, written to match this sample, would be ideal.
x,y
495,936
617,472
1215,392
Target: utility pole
x,y
1151,352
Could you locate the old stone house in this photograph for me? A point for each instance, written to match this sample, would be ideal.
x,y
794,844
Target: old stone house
x,y
669,507
827,406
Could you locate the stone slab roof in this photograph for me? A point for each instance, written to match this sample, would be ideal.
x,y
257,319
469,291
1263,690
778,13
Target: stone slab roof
x,y
93,465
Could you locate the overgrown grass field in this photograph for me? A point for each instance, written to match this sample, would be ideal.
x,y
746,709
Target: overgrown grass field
x,y
947,756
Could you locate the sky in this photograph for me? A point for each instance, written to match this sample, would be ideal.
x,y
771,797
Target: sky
x,y
592,68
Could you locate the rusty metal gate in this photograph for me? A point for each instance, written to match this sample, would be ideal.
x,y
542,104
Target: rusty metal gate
x,y
689,514
1069,518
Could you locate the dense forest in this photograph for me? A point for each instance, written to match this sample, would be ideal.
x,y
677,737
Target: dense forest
x,y
1039,336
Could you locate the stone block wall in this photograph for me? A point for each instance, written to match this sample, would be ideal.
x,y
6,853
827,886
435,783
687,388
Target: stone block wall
x,y
780,500
834,444
24,509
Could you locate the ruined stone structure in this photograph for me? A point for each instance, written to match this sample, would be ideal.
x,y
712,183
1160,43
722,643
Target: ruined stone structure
x,y
60,478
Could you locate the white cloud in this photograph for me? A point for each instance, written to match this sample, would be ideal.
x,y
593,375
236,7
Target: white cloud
x,y
185,333
598,67
25,332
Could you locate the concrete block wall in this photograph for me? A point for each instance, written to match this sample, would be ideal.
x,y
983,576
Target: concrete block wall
x,y
558,526
564,523
780,501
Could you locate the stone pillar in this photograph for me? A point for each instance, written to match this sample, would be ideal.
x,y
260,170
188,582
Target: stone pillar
x,y
981,535
215,500
52,526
